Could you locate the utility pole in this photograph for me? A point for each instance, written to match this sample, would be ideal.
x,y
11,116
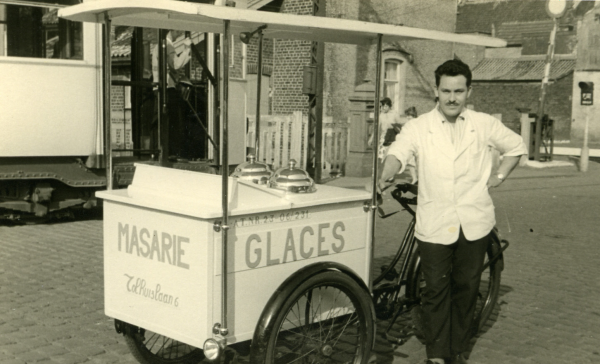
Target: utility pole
x,y
555,9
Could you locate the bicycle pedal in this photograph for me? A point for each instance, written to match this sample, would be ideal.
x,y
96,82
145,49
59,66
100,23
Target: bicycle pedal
x,y
391,275
395,340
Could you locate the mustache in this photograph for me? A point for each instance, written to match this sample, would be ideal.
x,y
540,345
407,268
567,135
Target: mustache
x,y
451,103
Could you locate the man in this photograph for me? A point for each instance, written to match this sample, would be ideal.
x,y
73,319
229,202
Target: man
x,y
455,214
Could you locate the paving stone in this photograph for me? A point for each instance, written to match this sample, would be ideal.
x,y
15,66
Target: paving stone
x,y
32,356
14,349
70,358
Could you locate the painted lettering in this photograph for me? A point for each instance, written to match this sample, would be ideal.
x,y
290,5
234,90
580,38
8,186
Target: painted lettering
x,y
289,246
338,236
123,232
328,240
166,244
138,287
145,232
305,254
181,252
321,239
164,247
134,242
269,260
257,251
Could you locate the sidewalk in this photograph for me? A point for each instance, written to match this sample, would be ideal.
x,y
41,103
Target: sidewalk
x,y
560,167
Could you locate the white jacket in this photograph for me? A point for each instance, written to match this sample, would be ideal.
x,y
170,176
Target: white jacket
x,y
452,179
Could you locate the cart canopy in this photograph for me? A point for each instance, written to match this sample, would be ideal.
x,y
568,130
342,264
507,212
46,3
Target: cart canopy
x,y
168,14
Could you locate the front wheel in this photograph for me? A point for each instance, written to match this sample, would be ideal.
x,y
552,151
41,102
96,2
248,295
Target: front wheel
x,y
326,319
489,286
151,348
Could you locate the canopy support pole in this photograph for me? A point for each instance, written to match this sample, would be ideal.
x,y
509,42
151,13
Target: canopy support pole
x,y
163,124
376,143
106,70
258,91
225,172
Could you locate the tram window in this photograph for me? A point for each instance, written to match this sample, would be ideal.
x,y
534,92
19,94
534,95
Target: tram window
x,y
37,32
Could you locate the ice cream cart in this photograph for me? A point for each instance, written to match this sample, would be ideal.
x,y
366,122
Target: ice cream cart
x,y
196,260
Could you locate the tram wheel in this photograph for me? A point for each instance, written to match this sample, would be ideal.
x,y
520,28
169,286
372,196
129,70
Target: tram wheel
x,y
148,347
326,319
489,287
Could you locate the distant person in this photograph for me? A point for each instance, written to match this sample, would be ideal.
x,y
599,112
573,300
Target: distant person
x,y
411,164
390,125
455,213
178,55
176,104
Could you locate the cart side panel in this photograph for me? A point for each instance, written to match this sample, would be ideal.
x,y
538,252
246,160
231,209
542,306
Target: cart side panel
x,y
269,247
156,271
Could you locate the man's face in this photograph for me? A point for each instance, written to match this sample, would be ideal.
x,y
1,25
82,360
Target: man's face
x,y
453,93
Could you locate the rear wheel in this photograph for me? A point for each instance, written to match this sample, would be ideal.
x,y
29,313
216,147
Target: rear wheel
x,y
148,347
327,319
489,286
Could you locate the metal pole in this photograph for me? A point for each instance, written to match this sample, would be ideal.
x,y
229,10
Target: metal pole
x,y
107,85
376,142
258,90
585,151
225,171
540,114
163,130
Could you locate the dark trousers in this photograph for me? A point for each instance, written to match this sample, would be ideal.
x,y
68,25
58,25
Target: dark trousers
x,y
452,275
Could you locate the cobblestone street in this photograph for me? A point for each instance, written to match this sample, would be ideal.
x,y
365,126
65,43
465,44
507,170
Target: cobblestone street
x,y
51,281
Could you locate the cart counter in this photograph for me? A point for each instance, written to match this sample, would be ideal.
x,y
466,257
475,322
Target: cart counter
x,y
162,253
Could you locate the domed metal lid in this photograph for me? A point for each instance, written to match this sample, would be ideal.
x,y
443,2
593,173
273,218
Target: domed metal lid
x,y
253,171
292,179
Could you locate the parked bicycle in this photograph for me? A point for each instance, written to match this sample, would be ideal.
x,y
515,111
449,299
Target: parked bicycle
x,y
397,290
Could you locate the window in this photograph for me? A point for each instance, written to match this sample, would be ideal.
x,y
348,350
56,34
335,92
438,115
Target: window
x,y
391,82
395,65
36,31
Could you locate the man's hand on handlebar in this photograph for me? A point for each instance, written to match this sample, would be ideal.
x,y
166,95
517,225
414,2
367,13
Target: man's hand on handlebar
x,y
383,185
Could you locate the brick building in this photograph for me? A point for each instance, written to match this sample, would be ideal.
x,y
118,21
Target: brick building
x,y
507,81
408,79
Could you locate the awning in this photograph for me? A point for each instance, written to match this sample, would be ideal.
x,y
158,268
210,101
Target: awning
x,y
166,14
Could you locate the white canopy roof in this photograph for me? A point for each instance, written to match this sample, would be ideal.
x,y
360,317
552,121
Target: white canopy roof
x,y
168,14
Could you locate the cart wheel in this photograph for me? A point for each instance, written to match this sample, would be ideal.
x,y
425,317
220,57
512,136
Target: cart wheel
x,y
326,319
148,347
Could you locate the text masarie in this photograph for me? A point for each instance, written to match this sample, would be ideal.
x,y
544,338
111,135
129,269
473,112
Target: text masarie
x,y
154,245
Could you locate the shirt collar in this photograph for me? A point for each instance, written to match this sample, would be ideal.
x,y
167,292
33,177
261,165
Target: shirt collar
x,y
461,116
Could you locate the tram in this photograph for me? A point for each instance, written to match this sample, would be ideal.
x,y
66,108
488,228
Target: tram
x,y
54,134
260,257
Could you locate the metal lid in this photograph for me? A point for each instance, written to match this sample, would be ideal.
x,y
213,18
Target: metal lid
x,y
292,179
253,171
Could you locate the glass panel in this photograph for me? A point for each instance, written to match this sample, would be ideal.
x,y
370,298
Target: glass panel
x,y
391,71
390,91
37,32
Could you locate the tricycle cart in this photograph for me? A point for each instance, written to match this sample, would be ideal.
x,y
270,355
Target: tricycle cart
x,y
196,260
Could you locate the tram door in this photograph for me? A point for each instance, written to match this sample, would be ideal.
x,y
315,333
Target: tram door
x,y
180,132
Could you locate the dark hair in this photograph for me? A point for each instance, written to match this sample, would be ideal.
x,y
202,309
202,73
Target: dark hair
x,y
386,101
453,67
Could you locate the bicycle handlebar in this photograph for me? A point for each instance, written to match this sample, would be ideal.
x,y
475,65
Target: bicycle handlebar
x,y
404,201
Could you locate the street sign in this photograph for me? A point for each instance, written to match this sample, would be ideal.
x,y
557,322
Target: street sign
x,y
556,8
587,93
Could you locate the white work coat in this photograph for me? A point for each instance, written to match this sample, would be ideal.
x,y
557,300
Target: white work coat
x,y
453,179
